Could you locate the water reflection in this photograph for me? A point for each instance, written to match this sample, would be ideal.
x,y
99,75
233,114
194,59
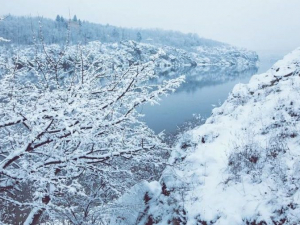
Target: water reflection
x,y
205,87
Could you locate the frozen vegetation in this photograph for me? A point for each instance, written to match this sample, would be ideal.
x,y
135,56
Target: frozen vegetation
x,y
68,130
240,167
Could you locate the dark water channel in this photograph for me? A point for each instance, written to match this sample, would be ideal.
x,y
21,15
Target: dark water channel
x,y
204,89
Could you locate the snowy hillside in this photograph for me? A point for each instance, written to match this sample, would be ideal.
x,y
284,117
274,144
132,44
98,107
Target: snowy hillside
x,y
240,167
126,53
175,58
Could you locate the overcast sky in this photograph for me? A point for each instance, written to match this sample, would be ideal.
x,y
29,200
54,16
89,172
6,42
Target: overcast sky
x,y
272,25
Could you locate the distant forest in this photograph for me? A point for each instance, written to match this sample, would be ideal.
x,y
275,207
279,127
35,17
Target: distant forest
x,y
23,31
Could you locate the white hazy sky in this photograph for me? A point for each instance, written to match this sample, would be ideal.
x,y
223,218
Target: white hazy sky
x,y
272,25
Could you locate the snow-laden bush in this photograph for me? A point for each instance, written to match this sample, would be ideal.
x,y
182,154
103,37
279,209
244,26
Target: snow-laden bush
x,y
252,159
246,159
70,136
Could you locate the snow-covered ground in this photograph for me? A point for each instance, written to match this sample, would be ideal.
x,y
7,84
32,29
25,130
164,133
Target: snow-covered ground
x,y
241,167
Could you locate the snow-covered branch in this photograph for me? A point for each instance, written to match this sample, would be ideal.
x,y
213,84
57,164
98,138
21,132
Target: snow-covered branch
x,y
65,115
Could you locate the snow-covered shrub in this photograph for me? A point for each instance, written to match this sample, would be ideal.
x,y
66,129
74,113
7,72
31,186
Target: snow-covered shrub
x,y
70,134
253,160
246,159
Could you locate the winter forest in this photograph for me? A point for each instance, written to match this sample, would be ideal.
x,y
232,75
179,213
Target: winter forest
x,y
138,124
20,30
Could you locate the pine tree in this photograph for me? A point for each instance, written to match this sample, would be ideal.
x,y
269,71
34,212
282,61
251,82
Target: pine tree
x,y
57,18
115,34
75,18
138,37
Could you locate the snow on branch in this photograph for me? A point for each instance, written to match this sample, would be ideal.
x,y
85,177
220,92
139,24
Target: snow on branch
x,y
70,134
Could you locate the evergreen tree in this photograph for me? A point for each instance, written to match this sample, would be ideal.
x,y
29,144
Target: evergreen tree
x,y
115,34
138,37
57,18
75,18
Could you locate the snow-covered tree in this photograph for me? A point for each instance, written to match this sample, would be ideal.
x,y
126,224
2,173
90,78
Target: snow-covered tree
x,y
1,38
19,30
57,19
75,18
71,141
138,36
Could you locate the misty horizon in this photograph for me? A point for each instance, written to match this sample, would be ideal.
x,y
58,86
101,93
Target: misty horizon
x,y
261,26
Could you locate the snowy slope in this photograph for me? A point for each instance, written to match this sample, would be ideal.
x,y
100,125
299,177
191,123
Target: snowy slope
x,y
174,58
125,53
241,167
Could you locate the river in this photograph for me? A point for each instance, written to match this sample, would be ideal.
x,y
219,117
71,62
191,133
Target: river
x,y
204,89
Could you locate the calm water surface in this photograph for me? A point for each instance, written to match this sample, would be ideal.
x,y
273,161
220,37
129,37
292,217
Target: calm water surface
x,y
204,89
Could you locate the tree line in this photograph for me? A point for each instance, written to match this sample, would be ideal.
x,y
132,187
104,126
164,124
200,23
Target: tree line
x,y
21,29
